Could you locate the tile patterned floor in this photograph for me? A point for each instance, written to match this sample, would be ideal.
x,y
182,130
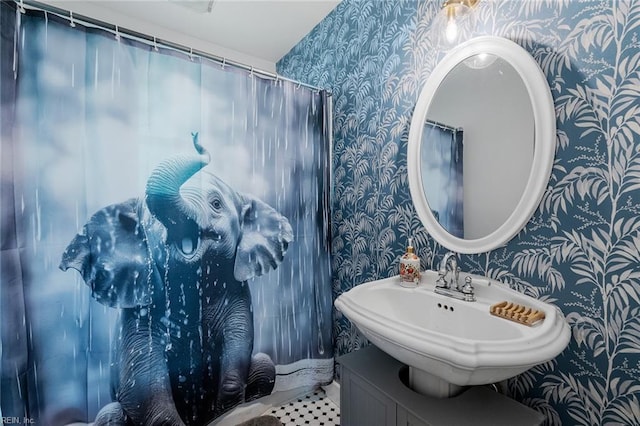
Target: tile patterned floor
x,y
315,409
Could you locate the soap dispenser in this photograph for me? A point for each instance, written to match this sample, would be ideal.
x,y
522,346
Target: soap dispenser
x,y
409,267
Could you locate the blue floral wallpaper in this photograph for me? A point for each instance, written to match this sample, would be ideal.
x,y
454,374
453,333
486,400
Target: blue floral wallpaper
x,y
579,251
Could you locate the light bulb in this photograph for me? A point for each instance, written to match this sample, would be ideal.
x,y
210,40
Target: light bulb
x,y
455,20
451,32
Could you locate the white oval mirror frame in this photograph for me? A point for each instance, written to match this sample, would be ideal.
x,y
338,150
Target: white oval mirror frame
x,y
544,142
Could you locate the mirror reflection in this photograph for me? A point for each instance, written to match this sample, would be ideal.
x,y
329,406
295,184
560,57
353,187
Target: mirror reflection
x,y
477,146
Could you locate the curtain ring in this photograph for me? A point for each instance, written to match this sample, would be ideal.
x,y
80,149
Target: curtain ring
x,y
71,23
155,44
224,62
117,34
21,7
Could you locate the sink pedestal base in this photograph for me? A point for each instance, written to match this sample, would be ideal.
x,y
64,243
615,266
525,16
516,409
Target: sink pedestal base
x,y
429,385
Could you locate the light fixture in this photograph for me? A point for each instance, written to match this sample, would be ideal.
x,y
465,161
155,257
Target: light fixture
x,y
454,15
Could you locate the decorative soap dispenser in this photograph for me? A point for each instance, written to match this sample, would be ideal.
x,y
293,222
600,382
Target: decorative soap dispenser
x,y
409,267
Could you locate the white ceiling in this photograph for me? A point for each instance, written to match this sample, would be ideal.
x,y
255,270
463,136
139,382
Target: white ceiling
x,y
254,32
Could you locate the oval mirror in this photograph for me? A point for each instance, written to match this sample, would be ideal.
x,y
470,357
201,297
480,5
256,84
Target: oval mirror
x,y
481,145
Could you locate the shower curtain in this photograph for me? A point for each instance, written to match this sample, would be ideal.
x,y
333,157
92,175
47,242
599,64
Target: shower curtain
x,y
441,156
164,226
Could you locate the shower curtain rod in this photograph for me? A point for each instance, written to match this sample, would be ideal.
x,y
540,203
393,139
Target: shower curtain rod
x,y
151,41
444,126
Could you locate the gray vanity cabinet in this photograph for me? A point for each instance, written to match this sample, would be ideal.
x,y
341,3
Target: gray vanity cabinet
x,y
363,404
405,418
372,393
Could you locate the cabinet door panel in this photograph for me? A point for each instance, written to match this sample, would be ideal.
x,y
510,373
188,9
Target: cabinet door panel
x,y
407,419
362,404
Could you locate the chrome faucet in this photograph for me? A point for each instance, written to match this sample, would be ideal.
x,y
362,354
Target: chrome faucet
x,y
449,264
451,287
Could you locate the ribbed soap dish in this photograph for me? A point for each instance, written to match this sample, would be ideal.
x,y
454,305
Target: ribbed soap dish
x,y
517,313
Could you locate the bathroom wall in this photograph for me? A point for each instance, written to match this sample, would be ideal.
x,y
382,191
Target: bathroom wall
x,y
579,250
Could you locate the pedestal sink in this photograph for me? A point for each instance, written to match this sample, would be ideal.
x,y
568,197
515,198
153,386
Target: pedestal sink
x,y
449,343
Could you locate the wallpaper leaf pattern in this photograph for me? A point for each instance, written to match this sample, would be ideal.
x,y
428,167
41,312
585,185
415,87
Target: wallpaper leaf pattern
x,y
580,250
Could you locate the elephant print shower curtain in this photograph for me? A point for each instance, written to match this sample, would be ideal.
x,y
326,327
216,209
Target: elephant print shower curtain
x,y
164,226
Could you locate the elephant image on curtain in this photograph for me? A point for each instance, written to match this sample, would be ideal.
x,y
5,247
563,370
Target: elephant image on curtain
x,y
176,263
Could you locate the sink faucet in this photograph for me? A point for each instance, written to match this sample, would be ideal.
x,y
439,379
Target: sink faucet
x,y
449,267
449,264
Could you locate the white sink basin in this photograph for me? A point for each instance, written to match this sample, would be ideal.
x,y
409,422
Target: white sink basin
x,y
449,343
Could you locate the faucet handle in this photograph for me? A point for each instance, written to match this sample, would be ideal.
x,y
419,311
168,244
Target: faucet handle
x,y
467,288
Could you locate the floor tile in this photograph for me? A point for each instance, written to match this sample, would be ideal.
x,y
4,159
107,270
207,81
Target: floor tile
x,y
314,409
